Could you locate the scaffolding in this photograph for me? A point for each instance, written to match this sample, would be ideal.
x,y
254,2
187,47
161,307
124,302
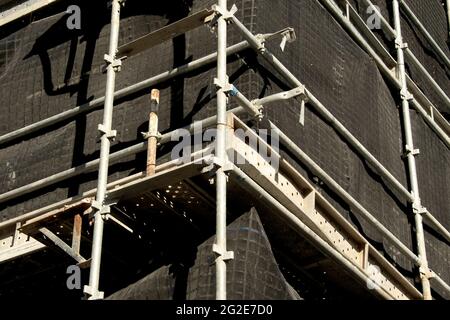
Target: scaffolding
x,y
285,191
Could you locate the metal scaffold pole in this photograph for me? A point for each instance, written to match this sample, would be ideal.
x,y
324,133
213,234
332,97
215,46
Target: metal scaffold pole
x,y
220,247
100,209
410,154
447,7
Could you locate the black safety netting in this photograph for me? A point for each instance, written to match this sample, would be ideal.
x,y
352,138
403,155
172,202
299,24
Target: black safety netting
x,y
53,69
252,275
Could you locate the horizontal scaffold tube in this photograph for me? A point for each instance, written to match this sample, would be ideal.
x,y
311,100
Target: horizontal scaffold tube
x,y
297,224
338,126
137,148
395,81
404,6
333,185
420,98
335,123
392,34
98,103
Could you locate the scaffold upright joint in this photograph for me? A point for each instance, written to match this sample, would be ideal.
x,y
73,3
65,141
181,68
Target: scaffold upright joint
x,y
110,134
222,253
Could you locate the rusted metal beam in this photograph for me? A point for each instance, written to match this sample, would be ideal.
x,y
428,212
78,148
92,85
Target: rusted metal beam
x,y
152,134
76,234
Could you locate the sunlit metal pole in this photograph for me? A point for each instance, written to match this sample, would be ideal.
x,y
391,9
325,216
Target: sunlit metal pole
x,y
220,247
113,66
410,154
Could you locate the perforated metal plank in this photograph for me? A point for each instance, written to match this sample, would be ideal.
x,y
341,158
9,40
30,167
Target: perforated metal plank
x,y
14,244
164,178
33,225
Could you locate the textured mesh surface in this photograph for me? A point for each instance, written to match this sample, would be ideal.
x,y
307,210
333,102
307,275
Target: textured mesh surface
x,y
54,69
252,275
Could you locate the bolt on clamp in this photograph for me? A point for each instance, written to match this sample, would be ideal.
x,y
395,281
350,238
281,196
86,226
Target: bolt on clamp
x,y
148,135
224,86
399,44
225,165
226,14
212,19
222,253
406,95
112,61
419,209
410,151
110,134
426,273
97,295
99,207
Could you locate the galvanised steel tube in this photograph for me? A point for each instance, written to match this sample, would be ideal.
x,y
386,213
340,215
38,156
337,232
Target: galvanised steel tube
x,y
386,71
251,108
382,171
268,56
61,204
296,223
338,126
438,280
72,172
425,32
94,277
330,182
384,23
393,79
412,169
220,153
99,102
410,55
391,33
438,225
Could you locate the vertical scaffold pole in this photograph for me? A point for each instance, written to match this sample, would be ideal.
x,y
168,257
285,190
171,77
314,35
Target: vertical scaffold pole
x,y
113,66
410,154
447,7
220,247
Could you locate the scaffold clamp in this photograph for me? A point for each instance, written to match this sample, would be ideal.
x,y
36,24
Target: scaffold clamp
x,y
226,87
148,135
288,36
226,14
419,209
226,165
399,44
406,95
426,273
222,253
101,208
410,151
97,295
230,90
112,61
110,134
